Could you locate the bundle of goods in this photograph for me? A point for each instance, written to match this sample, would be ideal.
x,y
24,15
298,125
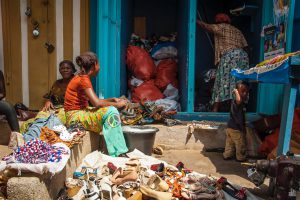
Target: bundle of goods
x,y
148,112
149,81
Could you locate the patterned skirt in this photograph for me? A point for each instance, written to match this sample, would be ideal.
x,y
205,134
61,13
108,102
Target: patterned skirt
x,y
225,83
105,119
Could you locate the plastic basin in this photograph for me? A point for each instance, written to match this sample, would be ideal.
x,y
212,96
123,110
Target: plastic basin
x,y
140,137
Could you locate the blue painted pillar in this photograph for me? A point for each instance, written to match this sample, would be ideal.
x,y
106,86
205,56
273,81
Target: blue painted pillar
x,y
102,46
290,93
287,115
191,54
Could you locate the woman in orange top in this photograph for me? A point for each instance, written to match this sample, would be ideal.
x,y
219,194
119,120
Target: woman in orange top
x,y
103,116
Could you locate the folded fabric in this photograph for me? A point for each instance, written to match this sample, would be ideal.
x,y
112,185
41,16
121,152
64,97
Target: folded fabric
x,y
34,129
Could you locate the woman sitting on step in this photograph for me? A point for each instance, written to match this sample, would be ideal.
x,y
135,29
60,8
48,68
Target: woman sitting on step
x,y
103,116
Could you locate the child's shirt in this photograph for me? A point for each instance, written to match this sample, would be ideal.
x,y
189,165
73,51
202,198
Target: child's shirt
x,y
237,117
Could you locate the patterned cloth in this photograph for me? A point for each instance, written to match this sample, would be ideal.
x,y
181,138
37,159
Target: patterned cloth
x,y
36,151
226,37
105,119
57,92
225,82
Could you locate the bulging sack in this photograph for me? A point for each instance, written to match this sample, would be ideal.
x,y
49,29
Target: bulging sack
x,y
140,63
147,91
166,73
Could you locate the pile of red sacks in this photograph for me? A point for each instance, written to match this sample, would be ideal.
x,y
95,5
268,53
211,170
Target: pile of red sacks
x,y
154,79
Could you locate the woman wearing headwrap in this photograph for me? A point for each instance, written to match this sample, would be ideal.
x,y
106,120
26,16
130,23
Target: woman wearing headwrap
x,y
229,54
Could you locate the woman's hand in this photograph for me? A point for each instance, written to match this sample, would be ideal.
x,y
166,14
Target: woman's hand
x,y
121,103
48,105
116,100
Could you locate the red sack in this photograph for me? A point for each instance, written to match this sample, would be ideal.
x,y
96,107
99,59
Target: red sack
x,y
166,73
146,91
140,63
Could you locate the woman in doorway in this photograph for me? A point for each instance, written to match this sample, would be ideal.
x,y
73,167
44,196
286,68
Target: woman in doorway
x,y
103,116
55,98
229,54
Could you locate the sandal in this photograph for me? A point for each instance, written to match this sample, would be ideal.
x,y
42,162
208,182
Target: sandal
x,y
155,194
120,176
81,174
131,121
92,191
75,192
156,183
106,189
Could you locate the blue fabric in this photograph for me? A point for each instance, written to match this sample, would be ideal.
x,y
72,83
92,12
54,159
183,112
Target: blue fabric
x,y
278,74
160,45
34,130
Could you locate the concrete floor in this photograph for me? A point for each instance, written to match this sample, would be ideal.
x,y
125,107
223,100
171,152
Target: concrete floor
x,y
191,151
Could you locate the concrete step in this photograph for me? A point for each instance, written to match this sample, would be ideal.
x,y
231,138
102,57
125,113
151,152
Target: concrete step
x,y
176,138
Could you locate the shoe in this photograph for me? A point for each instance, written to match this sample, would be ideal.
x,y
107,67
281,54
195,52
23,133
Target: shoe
x,y
76,192
106,189
137,195
82,174
92,190
156,183
158,150
155,194
120,176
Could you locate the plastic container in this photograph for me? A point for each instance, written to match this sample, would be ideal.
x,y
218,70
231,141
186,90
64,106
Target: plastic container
x,y
140,137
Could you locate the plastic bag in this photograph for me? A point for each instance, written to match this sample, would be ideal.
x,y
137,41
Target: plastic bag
x,y
168,104
140,63
171,93
164,50
146,92
134,82
166,73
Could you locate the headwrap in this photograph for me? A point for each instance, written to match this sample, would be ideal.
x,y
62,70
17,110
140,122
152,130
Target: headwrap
x,y
222,18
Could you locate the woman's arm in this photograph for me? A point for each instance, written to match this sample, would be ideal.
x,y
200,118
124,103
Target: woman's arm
x,y
208,27
102,102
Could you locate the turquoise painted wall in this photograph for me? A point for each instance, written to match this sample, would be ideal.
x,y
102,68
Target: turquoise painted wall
x,y
270,96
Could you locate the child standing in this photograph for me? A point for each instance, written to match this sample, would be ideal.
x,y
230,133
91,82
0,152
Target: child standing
x,y
236,126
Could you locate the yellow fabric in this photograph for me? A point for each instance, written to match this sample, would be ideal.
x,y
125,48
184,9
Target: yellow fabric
x,y
91,118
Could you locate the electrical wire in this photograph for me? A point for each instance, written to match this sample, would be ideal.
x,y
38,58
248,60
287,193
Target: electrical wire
x,y
209,39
